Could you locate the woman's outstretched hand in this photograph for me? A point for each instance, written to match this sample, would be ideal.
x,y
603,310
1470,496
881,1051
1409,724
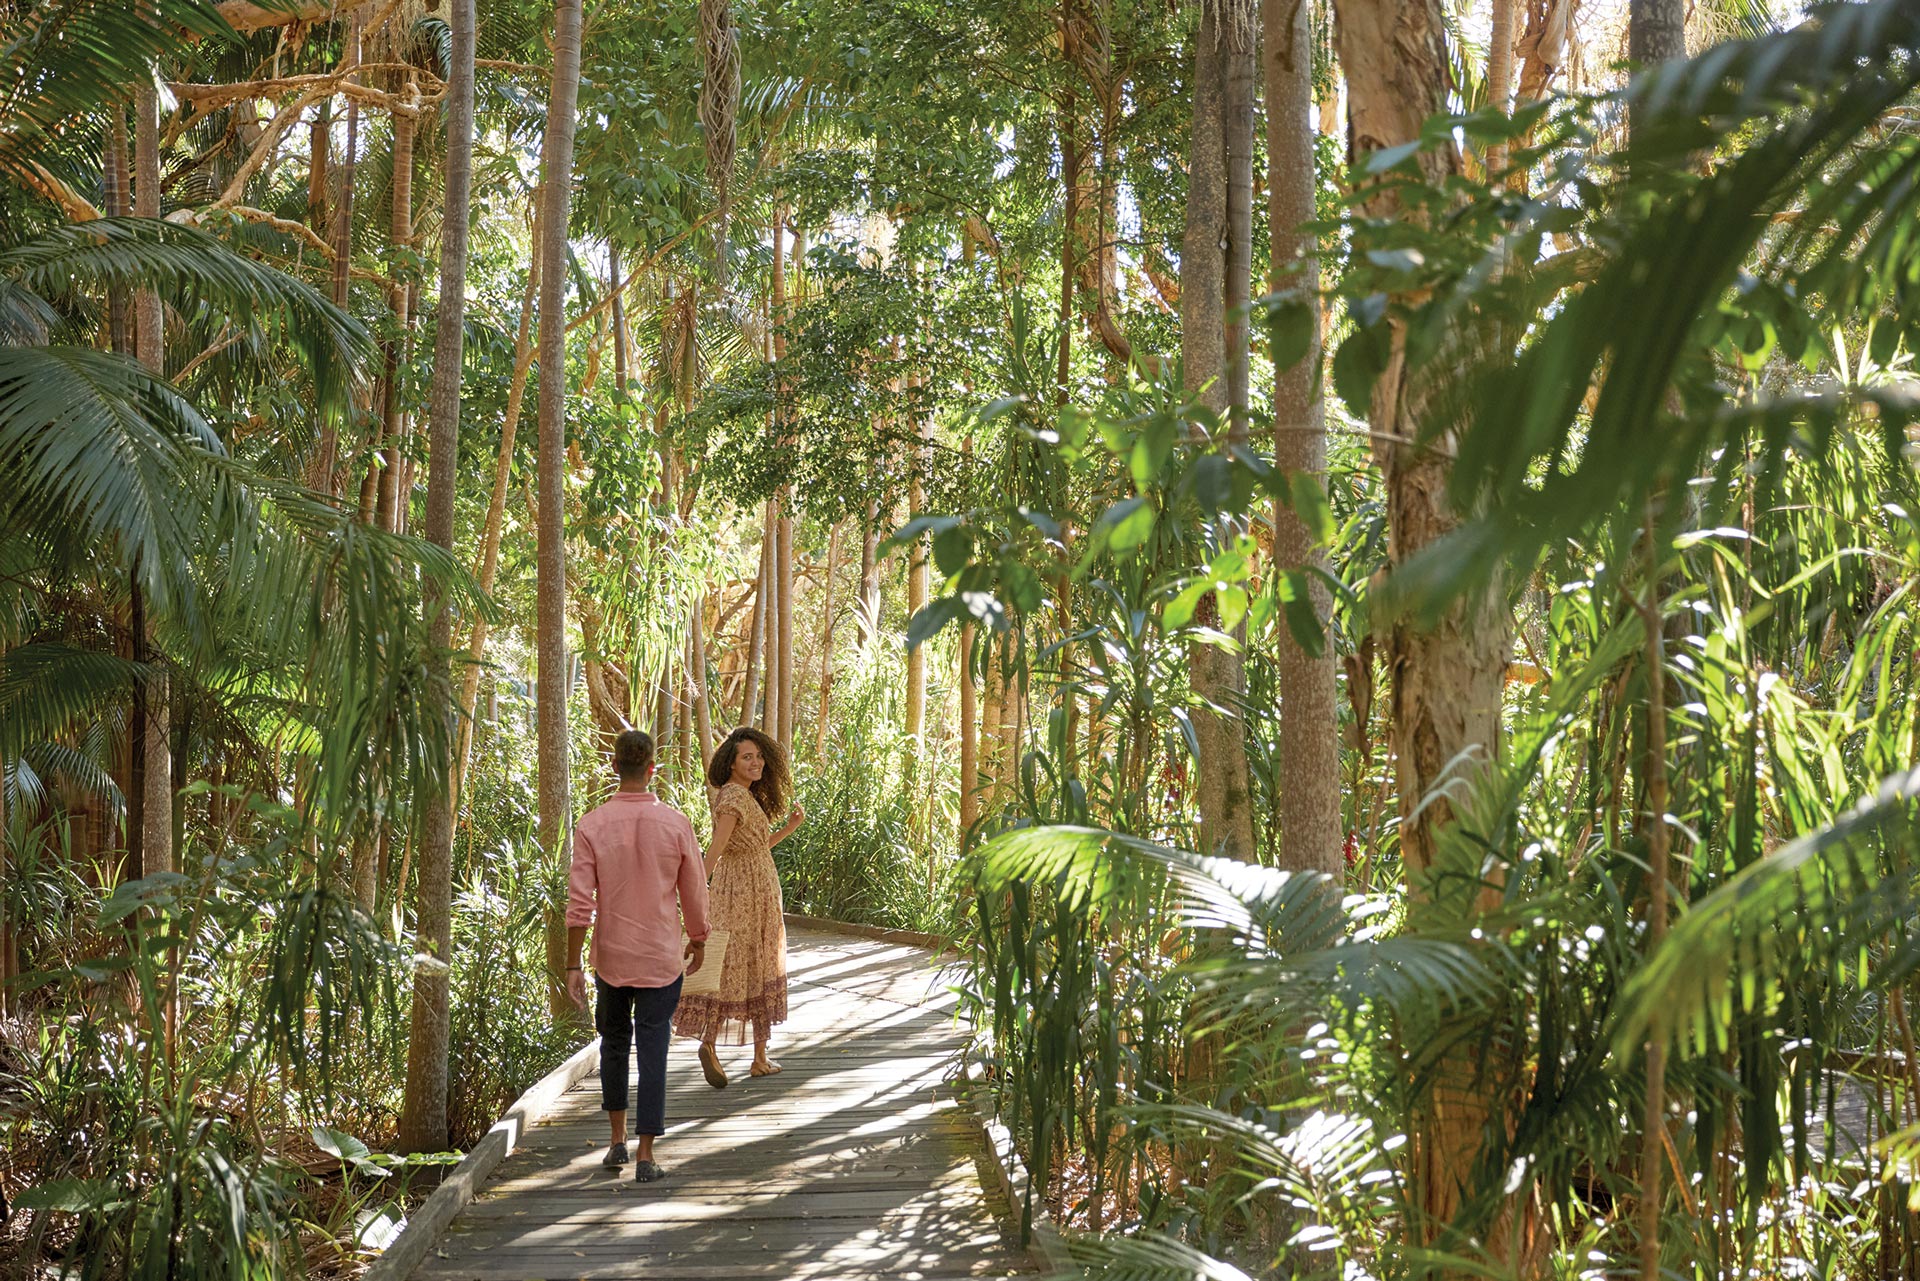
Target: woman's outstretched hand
x,y
795,819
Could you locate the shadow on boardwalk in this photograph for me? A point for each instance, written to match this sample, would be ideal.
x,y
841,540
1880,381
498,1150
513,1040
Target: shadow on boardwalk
x,y
854,1163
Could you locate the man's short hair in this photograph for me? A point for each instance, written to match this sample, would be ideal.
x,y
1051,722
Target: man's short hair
x,y
632,753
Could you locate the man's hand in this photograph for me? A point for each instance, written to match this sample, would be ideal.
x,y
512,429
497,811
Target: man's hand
x,y
577,987
696,956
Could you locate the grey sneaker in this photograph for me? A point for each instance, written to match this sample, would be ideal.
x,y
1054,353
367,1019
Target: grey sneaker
x,y
616,1156
647,1172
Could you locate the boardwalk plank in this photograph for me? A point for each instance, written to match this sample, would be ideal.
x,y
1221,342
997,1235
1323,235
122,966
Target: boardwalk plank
x,y
855,1164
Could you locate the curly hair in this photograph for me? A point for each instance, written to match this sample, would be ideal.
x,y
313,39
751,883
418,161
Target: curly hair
x,y
775,783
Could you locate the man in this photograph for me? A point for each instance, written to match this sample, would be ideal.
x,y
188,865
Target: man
x,y
632,858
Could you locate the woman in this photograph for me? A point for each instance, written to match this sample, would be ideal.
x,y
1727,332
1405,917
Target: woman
x,y
750,772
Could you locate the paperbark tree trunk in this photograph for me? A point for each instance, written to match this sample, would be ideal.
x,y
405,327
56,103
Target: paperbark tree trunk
x,y
551,550
497,508
1212,269
1447,677
423,1110
1309,775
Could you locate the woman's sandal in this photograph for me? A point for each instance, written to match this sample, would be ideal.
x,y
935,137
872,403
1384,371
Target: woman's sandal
x,y
769,1070
710,1067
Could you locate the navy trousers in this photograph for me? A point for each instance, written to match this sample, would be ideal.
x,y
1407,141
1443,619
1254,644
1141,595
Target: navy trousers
x,y
638,1019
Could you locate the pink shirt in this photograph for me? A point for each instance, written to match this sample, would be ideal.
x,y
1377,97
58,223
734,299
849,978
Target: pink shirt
x,y
631,857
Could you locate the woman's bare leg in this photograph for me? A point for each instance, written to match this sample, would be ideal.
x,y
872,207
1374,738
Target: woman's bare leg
x,y
762,1065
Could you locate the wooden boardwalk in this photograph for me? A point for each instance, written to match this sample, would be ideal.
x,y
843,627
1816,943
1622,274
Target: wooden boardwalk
x,y
854,1164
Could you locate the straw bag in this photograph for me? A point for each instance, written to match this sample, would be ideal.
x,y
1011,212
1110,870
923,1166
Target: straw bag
x,y
707,981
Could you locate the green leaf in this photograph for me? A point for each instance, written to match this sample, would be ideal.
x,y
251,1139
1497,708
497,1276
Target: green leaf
x,y
1378,162
1297,605
1126,525
952,549
1292,326
71,1196
1232,604
926,624
1213,483
1308,498
1181,608
1357,366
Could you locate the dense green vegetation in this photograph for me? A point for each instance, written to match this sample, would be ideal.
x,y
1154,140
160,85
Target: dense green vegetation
x,y
1358,557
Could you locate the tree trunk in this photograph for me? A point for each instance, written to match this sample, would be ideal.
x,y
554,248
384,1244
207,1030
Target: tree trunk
x,y
621,363
1447,677
783,652
969,746
869,612
1656,31
1210,267
719,108
497,506
917,597
551,553
1500,38
423,1111
698,692
119,198
770,656
319,144
992,729
826,647
325,472
393,420
1308,777
9,959
780,660
757,627
154,743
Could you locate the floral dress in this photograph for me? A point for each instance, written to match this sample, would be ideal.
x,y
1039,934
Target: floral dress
x,y
743,899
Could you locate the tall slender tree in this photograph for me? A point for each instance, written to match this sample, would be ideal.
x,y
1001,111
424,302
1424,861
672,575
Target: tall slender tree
x,y
1215,261
1308,778
153,732
551,678
423,1111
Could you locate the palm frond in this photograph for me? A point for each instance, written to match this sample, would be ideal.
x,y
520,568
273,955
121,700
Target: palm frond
x,y
188,267
96,452
46,688
1818,903
67,59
